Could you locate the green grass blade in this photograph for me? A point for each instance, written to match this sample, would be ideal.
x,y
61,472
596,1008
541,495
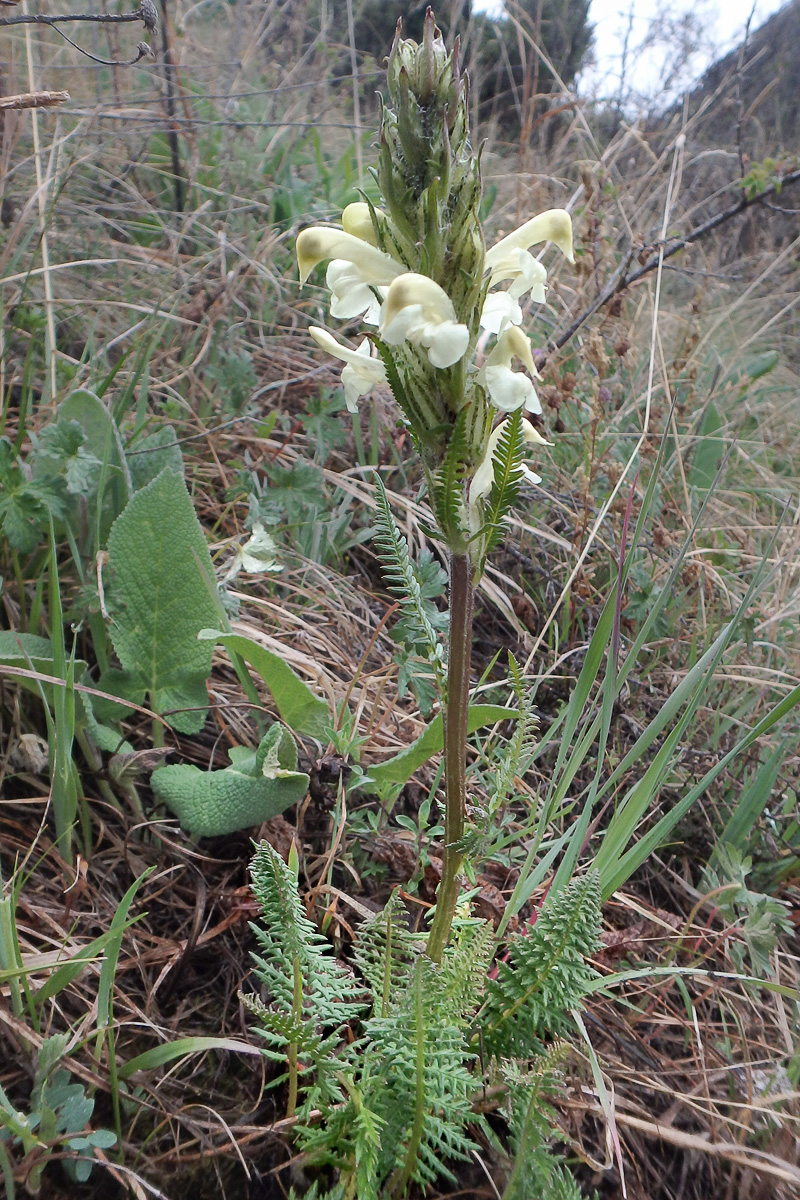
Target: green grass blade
x,y
634,857
181,1048
752,803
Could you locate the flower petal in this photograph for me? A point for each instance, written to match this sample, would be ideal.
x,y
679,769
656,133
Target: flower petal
x,y
509,390
350,295
555,225
499,310
446,343
319,242
524,271
412,289
513,342
417,309
361,372
357,219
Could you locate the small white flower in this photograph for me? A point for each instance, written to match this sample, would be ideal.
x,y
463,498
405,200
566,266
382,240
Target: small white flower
x,y
499,310
483,479
361,371
525,273
555,225
355,272
509,390
351,295
418,309
256,557
510,259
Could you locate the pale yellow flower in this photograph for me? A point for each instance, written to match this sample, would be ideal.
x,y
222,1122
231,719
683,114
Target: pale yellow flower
x,y
510,259
356,271
509,390
417,309
361,372
357,219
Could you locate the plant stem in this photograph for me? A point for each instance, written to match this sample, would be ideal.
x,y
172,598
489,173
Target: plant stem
x,y
291,1049
455,749
401,1177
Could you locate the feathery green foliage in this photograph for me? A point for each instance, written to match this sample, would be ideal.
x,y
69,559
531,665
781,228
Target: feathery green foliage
x,y
447,484
385,953
508,476
402,582
518,753
546,975
395,1095
531,1119
311,997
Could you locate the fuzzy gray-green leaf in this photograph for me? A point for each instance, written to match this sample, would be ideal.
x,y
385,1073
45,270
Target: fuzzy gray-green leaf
x,y
253,789
160,568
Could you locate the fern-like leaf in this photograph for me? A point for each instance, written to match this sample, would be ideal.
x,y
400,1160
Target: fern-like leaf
x,y
385,954
421,1083
508,476
546,975
402,582
519,751
296,958
465,966
536,1170
447,490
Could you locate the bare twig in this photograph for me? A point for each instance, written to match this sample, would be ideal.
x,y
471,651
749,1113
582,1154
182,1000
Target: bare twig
x,y
146,13
739,97
32,99
621,280
142,51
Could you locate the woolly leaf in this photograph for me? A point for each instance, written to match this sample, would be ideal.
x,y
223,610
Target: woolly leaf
x,y
299,708
29,652
709,449
256,787
161,599
153,453
102,443
25,505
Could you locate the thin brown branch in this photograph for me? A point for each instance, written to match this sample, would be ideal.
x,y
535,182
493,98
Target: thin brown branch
x,y
621,280
33,100
142,51
146,13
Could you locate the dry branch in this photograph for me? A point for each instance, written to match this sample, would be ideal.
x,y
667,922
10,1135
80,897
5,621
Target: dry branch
x,y
146,13
621,279
31,99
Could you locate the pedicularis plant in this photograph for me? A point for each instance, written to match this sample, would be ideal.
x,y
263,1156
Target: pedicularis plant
x,y
381,1070
417,271
389,1070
